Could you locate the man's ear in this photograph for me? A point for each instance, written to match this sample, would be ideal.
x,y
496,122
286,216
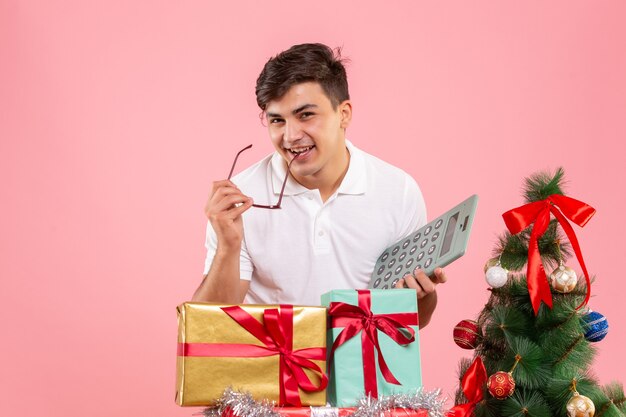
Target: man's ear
x,y
345,112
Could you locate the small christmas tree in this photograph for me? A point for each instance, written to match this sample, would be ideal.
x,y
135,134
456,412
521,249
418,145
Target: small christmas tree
x,y
535,333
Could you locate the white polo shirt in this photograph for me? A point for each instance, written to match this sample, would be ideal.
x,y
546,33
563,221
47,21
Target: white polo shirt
x,y
308,247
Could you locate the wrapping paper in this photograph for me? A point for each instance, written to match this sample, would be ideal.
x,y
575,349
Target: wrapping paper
x,y
216,352
350,366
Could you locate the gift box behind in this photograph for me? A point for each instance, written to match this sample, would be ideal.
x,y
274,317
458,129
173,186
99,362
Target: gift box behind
x,y
348,372
216,352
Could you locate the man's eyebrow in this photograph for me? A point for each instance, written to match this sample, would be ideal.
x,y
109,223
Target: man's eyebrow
x,y
296,111
303,107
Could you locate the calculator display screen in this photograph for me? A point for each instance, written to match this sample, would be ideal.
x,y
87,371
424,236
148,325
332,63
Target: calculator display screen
x,y
450,228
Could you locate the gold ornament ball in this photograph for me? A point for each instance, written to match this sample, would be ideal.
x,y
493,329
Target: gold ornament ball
x,y
491,262
580,406
563,279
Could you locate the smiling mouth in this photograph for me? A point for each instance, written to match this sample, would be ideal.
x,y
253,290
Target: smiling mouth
x,y
300,150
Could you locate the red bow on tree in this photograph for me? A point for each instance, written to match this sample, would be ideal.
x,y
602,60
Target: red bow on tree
x,y
538,213
472,384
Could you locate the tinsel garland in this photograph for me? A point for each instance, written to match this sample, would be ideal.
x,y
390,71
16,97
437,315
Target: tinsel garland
x,y
421,400
243,405
240,404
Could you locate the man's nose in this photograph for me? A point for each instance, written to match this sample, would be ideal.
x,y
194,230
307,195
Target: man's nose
x,y
293,131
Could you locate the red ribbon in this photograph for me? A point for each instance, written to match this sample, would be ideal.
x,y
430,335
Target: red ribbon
x,y
277,336
360,319
538,213
341,412
313,411
472,384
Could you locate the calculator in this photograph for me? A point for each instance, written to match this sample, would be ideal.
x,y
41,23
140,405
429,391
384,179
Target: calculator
x,y
436,244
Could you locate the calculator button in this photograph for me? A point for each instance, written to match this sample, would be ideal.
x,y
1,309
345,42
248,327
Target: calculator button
x,y
381,269
424,243
417,237
435,236
413,249
409,263
387,275
428,262
418,266
420,256
402,256
431,250
395,281
391,263
398,269
377,283
427,231
438,224
406,243
385,287
385,256
395,250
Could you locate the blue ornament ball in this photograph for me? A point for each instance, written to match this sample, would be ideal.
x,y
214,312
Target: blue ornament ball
x,y
595,326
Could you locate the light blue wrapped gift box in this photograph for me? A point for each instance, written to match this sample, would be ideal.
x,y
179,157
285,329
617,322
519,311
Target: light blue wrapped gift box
x,y
346,373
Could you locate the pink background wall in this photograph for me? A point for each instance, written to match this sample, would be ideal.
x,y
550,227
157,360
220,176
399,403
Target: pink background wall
x,y
115,118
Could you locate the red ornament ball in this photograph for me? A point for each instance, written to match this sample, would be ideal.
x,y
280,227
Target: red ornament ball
x,y
501,385
466,334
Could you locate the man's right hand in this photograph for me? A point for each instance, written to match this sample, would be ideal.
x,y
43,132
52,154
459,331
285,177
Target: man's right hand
x,y
224,208
223,283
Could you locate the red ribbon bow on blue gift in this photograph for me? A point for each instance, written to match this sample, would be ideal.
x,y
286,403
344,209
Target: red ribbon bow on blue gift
x,y
538,213
360,319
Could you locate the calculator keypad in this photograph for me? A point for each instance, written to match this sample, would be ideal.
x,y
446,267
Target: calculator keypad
x,y
414,252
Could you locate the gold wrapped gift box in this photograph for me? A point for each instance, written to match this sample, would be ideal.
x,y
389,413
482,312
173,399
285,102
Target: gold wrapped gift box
x,y
215,352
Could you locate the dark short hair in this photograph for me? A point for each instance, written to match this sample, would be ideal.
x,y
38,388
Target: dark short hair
x,y
303,63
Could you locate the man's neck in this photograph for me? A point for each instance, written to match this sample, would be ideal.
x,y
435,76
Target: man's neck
x,y
328,182
326,192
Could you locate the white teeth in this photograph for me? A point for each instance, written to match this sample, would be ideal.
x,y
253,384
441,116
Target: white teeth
x,y
300,150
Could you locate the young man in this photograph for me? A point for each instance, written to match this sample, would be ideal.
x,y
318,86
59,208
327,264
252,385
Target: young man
x,y
341,206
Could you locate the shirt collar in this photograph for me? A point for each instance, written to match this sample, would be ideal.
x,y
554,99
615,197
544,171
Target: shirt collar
x,y
354,182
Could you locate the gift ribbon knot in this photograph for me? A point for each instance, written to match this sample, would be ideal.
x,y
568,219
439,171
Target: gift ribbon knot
x,y
538,212
276,334
361,319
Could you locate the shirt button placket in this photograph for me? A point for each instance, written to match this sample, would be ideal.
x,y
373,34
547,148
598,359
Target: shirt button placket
x,y
322,241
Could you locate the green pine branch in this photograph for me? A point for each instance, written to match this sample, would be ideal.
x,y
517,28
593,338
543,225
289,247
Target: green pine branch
x,y
541,185
615,405
526,403
533,370
513,249
464,365
559,391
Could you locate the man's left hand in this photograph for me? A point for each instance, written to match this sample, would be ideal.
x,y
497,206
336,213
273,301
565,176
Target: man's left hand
x,y
426,289
422,283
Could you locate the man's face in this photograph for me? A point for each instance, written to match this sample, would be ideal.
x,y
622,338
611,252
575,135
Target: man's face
x,y
304,122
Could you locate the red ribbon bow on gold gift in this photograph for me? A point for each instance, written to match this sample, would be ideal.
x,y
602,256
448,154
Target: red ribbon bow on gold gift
x,y
277,335
356,319
472,384
538,213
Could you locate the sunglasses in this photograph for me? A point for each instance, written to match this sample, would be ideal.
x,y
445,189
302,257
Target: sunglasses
x,y
282,190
